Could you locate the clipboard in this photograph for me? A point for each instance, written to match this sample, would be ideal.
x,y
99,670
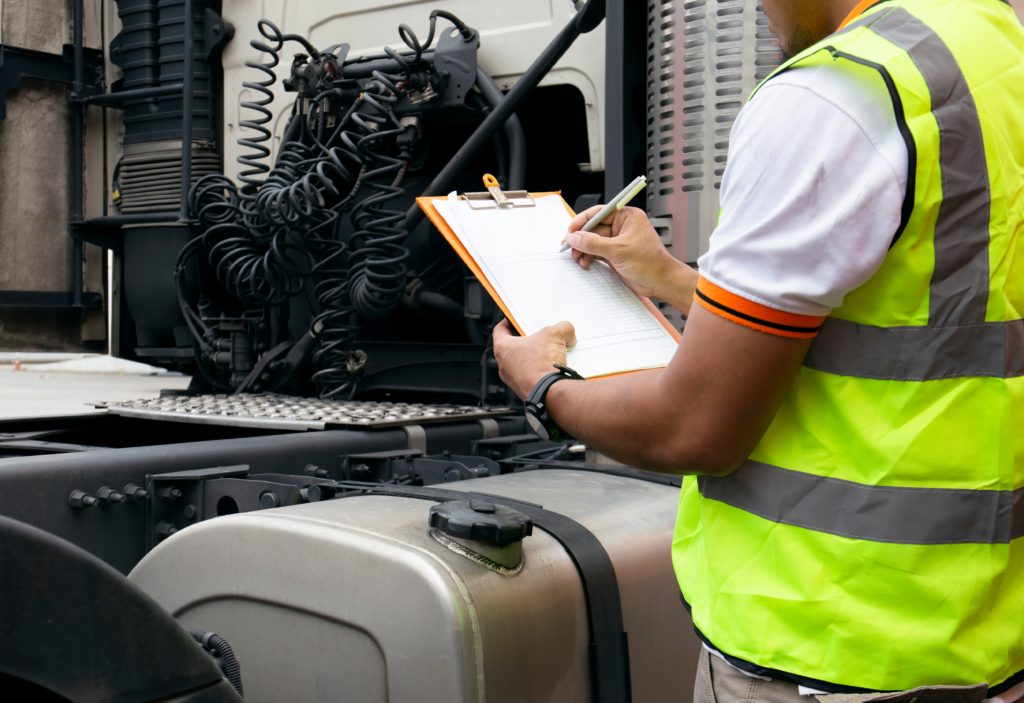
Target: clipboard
x,y
491,200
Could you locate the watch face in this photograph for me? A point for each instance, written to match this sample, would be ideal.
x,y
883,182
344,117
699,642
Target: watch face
x,y
536,425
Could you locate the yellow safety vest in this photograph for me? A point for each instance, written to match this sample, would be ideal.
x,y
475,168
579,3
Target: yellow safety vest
x,y
875,537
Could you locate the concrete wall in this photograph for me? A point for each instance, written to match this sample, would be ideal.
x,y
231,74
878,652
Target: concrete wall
x,y
35,250
34,155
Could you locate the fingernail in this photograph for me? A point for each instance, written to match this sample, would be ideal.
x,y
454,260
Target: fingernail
x,y
573,239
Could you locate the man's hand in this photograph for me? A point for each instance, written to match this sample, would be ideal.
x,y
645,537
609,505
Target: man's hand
x,y
522,361
629,244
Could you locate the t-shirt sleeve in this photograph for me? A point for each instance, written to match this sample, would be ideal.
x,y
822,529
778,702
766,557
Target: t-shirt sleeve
x,y
811,200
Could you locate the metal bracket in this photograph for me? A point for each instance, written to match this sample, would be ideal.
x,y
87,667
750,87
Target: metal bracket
x,y
216,31
18,65
411,466
455,59
178,499
417,437
500,448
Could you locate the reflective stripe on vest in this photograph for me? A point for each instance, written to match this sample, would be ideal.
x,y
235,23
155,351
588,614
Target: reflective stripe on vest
x,y
959,287
957,342
844,348
877,513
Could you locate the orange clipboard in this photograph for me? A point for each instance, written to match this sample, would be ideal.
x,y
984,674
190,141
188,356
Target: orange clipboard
x,y
426,203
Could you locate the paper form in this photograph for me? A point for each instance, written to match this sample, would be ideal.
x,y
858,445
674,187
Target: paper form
x,y
517,249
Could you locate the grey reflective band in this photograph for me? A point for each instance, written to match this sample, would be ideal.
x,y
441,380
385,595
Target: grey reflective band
x,y
876,513
960,281
957,342
845,348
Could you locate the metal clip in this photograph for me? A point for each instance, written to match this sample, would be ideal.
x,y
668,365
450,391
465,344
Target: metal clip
x,y
495,197
491,184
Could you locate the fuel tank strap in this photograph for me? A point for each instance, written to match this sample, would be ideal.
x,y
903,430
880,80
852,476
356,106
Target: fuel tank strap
x,y
608,647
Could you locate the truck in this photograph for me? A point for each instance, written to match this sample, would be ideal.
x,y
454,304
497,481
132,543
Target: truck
x,y
346,503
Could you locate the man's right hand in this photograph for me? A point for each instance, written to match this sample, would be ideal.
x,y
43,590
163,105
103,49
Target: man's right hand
x,y
629,244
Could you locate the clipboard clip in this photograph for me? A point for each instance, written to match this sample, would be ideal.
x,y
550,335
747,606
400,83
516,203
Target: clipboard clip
x,y
495,197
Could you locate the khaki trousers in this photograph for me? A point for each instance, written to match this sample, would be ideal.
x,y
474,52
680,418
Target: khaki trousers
x,y
718,682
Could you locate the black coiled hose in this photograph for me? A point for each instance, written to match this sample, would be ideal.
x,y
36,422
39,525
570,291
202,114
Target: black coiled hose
x,y
279,228
253,271
255,160
219,647
302,186
338,366
378,274
374,281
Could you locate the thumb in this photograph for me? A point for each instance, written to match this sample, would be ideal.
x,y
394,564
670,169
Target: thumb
x,y
566,331
589,243
502,329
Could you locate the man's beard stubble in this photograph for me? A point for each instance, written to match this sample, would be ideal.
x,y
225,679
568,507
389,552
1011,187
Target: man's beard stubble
x,y
799,40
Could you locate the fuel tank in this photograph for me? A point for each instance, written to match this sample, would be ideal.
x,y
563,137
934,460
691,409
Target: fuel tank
x,y
362,599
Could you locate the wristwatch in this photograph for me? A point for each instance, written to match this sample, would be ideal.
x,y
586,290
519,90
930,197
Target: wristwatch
x,y
537,415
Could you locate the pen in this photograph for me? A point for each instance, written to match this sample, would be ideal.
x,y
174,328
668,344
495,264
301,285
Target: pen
x,y
617,203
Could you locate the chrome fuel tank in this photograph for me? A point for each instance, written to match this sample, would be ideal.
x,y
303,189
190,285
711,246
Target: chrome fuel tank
x,y
354,599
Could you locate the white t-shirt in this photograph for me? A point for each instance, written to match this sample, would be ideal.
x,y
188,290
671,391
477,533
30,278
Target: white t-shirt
x,y
812,192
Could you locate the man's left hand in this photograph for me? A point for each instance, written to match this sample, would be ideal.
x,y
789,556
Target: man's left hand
x,y
522,361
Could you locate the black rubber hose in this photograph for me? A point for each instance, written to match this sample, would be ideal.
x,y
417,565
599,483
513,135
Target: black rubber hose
x,y
219,647
513,131
253,160
584,21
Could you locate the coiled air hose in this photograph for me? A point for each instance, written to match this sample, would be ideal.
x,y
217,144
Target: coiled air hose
x,y
344,150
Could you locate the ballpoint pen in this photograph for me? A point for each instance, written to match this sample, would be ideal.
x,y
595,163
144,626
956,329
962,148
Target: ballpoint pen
x,y
617,203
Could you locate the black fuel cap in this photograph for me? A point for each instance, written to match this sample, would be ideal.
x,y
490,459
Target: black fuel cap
x,y
480,520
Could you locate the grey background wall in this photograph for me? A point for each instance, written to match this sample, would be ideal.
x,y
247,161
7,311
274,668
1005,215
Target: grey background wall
x,y
35,250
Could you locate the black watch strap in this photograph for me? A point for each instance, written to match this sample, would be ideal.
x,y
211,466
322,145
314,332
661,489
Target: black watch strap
x,y
567,372
537,414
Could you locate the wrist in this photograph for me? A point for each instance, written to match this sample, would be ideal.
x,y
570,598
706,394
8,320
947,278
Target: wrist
x,y
528,381
677,285
537,410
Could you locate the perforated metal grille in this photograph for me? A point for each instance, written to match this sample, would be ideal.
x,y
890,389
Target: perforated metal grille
x,y
272,411
662,136
704,58
768,55
694,94
730,23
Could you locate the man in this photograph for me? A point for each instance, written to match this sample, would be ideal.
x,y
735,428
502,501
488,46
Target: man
x,y
849,387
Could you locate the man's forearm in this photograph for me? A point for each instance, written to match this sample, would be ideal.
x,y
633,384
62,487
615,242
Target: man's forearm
x,y
621,417
703,413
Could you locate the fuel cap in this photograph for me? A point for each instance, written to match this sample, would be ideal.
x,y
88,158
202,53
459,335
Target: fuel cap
x,y
480,520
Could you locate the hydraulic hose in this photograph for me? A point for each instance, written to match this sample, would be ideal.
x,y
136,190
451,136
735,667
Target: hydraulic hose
x,y
219,647
513,131
584,21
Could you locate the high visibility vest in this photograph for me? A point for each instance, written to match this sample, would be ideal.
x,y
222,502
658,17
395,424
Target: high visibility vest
x,y
875,537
